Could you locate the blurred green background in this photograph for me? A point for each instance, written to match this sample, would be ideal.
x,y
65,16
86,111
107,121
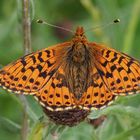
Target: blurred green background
x,y
123,117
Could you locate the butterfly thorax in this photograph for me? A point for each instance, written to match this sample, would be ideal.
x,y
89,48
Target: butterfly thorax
x,y
79,46
77,69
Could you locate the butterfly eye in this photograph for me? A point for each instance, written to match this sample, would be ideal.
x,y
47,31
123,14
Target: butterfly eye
x,y
81,34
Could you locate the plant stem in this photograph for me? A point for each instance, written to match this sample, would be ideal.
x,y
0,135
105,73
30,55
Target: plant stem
x,y
55,136
24,129
27,49
26,26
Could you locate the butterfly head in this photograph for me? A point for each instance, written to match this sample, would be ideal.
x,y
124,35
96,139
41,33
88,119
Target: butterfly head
x,y
79,31
79,36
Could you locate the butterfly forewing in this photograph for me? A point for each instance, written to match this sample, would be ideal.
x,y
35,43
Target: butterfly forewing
x,y
118,71
31,72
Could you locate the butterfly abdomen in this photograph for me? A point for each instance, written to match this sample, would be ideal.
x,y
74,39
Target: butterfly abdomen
x,y
67,117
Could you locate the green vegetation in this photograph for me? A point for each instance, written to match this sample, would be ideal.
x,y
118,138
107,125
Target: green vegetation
x,y
123,116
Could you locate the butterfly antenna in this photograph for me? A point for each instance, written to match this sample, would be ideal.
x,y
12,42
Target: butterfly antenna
x,y
105,25
52,25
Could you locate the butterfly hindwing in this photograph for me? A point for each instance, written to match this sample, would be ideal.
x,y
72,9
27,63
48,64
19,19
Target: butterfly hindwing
x,y
55,94
97,94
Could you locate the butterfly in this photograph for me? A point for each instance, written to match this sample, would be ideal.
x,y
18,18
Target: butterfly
x,y
72,78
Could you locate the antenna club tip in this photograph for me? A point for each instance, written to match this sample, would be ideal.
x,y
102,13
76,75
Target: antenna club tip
x,y
116,20
39,21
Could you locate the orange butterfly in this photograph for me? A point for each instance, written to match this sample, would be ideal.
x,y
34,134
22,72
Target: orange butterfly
x,y
72,78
